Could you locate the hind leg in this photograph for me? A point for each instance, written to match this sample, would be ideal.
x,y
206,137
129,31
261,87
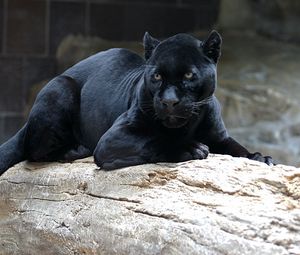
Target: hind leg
x,y
47,141
51,127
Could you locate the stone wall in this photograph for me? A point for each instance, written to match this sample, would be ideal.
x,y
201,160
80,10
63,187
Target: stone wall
x,y
31,30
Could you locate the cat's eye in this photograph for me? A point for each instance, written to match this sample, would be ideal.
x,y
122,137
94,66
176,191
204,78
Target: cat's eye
x,y
157,77
188,75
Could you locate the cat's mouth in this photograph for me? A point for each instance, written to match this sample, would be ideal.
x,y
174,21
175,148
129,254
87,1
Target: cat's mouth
x,y
173,121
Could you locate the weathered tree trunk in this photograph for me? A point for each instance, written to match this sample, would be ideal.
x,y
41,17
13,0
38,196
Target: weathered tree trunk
x,y
221,205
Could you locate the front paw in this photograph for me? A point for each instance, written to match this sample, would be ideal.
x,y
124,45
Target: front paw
x,y
195,151
258,157
117,163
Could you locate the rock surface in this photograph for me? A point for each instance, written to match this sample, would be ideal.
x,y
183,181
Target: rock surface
x,y
221,205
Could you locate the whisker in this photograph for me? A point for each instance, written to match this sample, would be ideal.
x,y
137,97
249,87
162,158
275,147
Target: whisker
x,y
149,65
202,102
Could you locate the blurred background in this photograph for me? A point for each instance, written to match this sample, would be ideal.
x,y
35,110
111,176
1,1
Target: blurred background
x,y
259,71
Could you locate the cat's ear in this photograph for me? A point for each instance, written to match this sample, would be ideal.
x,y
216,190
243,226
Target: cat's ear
x,y
212,46
150,44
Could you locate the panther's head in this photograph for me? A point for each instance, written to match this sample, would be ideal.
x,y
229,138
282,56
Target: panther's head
x,y
180,76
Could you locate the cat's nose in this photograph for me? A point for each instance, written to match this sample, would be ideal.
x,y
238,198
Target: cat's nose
x,y
170,103
169,98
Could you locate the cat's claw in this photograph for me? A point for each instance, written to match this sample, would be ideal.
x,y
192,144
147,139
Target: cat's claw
x,y
258,157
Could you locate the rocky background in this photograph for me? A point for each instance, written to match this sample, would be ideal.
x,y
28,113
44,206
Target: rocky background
x,y
259,80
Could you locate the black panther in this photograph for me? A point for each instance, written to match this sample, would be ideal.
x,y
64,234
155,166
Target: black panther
x,y
128,110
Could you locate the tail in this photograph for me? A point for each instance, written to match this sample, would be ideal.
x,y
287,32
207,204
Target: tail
x,y
12,151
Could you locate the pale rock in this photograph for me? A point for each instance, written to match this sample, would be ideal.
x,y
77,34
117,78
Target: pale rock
x,y
221,205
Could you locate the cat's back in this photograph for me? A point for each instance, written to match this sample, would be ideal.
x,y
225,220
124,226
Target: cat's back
x,y
113,62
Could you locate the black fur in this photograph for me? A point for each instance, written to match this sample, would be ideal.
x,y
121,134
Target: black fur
x,y
128,111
